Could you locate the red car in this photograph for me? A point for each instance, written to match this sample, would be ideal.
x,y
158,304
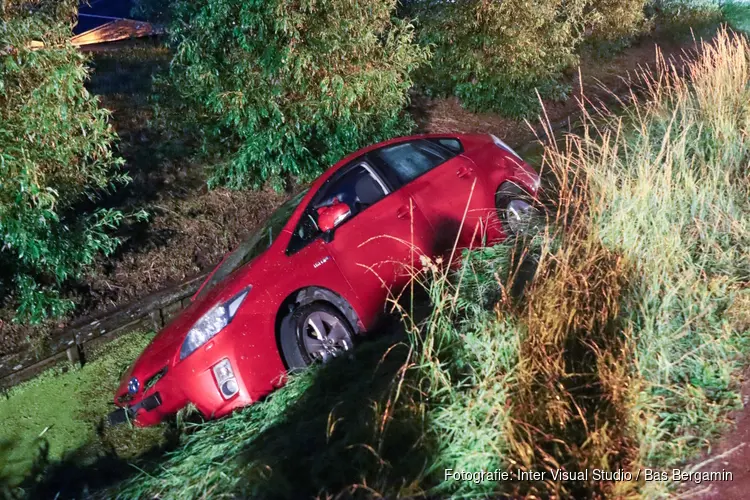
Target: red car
x,y
319,271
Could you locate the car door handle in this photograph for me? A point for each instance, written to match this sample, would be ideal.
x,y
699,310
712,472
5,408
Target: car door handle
x,y
464,171
403,212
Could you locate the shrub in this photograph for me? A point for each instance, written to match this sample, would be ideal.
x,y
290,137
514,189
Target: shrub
x,y
611,20
287,88
737,15
686,17
493,54
55,153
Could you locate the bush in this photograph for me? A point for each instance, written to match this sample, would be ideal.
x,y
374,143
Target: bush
x,y
493,54
687,17
288,88
613,20
55,152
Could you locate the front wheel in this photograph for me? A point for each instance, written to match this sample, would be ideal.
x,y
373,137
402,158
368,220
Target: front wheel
x,y
516,209
316,332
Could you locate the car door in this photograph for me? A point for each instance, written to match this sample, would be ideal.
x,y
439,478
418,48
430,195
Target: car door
x,y
445,186
376,245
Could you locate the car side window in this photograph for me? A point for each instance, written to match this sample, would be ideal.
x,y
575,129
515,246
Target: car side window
x,y
358,186
451,144
409,160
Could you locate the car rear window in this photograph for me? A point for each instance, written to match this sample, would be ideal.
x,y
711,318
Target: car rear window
x,y
451,144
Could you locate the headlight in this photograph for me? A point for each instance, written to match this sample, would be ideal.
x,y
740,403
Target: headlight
x,y
504,146
211,323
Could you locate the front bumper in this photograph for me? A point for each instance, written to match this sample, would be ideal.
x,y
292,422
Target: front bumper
x,y
255,362
128,413
191,382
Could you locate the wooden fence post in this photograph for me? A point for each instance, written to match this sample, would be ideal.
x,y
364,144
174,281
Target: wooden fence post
x,y
156,319
74,354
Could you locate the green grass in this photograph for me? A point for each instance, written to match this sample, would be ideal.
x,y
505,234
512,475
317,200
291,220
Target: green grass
x,y
57,413
321,432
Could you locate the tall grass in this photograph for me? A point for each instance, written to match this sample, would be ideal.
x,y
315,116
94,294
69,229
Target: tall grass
x,y
658,246
464,365
626,349
669,191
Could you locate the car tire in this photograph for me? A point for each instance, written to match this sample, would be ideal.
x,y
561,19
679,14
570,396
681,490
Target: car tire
x,y
516,209
301,329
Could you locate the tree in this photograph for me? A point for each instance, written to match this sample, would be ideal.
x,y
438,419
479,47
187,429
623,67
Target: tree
x,y
284,88
55,153
617,19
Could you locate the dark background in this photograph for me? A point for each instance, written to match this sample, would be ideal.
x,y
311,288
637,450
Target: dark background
x,y
106,8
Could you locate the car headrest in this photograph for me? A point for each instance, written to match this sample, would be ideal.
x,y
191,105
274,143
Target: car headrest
x,y
367,190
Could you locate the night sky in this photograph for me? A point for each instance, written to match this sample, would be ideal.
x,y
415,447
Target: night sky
x,y
106,8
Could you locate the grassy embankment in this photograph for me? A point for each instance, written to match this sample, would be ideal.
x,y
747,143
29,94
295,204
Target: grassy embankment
x,y
624,352
57,416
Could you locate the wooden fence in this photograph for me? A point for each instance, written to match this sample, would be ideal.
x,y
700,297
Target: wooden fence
x,y
149,313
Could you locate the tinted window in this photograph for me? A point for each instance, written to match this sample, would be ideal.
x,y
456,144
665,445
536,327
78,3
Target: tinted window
x,y
452,145
409,160
256,244
356,187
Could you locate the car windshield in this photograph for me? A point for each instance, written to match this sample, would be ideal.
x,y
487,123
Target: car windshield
x,y
256,244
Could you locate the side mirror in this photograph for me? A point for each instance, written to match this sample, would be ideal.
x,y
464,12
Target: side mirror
x,y
331,216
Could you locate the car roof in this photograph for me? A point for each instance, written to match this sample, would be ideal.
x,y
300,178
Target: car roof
x,y
348,158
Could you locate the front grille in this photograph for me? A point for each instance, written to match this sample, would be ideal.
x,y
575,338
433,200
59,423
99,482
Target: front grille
x,y
154,379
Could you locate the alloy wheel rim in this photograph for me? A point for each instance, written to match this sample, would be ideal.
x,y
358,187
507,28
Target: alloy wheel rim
x,y
519,215
325,336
